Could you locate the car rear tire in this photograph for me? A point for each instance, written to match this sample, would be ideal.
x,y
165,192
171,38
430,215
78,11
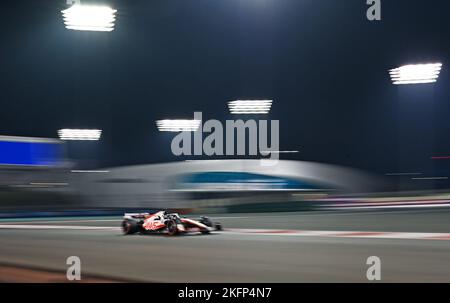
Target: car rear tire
x,y
129,227
172,228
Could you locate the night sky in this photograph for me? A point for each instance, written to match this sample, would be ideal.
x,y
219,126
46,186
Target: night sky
x,y
321,61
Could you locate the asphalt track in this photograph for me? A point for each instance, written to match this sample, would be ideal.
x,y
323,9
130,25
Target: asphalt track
x,y
413,245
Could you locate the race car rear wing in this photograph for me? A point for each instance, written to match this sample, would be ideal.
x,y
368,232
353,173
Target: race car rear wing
x,y
135,215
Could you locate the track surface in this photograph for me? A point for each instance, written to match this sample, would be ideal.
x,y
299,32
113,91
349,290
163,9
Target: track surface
x,y
238,255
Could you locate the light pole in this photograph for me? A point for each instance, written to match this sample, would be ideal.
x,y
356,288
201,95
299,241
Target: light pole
x,y
415,120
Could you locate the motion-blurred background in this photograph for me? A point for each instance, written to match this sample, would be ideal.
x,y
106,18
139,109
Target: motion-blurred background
x,y
92,99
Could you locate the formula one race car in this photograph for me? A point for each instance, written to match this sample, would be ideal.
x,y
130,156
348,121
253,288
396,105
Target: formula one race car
x,y
164,222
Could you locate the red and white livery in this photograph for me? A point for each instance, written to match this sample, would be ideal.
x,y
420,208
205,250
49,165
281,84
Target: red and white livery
x,y
165,222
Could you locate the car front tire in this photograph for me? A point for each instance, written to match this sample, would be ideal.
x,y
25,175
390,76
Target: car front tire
x,y
129,227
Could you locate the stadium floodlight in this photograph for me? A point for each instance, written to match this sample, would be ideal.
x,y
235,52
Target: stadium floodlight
x,y
415,73
80,134
250,106
177,125
89,18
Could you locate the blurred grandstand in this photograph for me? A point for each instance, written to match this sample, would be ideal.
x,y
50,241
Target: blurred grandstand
x,y
36,176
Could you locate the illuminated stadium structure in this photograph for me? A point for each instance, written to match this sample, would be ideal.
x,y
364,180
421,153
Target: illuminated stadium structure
x,y
32,166
213,183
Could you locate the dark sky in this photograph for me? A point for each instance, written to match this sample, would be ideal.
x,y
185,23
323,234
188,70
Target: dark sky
x,y
321,61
